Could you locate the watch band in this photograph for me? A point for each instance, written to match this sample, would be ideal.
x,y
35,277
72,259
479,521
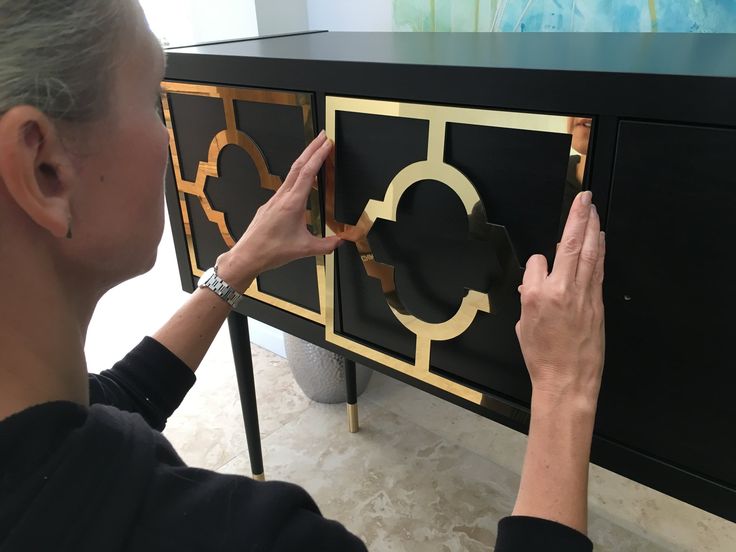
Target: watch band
x,y
227,293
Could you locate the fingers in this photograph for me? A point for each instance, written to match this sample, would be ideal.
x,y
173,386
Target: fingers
x,y
597,281
589,251
305,180
566,261
536,270
598,273
299,164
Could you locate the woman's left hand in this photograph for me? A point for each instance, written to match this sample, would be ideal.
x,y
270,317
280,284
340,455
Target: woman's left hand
x,y
278,233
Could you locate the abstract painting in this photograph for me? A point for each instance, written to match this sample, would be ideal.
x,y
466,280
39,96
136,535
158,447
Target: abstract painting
x,y
704,16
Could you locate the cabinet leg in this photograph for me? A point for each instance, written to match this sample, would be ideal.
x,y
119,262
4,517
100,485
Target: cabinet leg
x,y
352,396
240,342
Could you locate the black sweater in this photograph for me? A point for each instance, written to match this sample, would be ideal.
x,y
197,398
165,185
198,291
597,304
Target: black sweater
x,y
103,478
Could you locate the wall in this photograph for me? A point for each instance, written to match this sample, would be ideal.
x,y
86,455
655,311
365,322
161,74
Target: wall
x,y
285,16
183,22
349,15
281,16
499,15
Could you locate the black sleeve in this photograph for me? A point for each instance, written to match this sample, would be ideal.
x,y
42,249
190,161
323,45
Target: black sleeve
x,y
529,534
308,530
151,381
194,509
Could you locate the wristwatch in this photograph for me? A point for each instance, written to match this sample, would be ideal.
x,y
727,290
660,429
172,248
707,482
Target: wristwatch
x,y
227,293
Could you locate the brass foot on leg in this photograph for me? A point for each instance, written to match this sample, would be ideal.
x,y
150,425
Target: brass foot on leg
x,y
353,418
259,476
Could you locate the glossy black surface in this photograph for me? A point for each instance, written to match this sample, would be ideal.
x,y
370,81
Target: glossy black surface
x,y
665,193
196,121
669,380
645,53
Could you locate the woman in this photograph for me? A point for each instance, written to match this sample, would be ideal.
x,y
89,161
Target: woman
x,y
82,157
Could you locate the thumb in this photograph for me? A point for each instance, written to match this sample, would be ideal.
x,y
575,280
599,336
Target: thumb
x,y
324,246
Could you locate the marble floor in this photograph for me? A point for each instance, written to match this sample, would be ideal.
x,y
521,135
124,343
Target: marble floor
x,y
421,474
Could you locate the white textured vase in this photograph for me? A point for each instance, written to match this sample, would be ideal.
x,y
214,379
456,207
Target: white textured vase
x,y
321,373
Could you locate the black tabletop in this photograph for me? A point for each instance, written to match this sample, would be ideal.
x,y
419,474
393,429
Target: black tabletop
x,y
709,55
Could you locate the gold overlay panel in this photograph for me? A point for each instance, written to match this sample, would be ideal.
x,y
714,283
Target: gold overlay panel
x,y
433,168
231,135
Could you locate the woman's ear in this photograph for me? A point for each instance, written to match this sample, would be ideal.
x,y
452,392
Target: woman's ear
x,y
35,168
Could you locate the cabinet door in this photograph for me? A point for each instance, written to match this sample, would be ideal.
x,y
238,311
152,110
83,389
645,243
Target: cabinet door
x,y
442,206
231,149
670,374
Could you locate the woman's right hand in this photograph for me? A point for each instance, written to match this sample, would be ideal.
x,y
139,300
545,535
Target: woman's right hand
x,y
561,330
562,338
278,233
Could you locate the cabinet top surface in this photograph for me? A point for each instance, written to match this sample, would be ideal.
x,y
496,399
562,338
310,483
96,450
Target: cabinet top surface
x,y
705,55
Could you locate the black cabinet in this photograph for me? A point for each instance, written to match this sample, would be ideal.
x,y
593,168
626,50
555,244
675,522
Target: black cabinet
x,y
456,157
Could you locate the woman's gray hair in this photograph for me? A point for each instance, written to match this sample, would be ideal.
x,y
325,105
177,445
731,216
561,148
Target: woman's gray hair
x,y
59,55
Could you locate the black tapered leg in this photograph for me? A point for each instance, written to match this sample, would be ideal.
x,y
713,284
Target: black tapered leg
x,y
240,342
352,396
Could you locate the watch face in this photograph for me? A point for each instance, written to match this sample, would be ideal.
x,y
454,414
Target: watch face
x,y
206,276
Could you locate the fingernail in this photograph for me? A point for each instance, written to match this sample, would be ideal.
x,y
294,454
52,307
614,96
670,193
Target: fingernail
x,y
321,134
593,210
586,197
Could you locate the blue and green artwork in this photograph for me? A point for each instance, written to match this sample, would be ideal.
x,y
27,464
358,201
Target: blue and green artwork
x,y
699,16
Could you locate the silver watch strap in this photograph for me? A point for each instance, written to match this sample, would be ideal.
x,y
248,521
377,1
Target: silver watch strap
x,y
223,290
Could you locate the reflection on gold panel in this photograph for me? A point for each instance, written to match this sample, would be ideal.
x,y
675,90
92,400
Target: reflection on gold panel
x,y
434,168
231,135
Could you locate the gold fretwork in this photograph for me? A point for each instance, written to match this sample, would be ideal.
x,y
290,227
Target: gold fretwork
x,y
231,135
433,168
